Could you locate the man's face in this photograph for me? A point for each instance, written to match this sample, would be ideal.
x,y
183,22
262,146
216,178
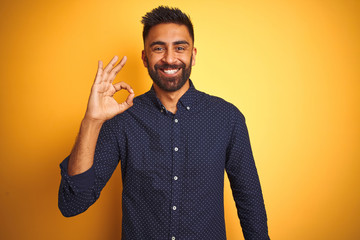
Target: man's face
x,y
169,55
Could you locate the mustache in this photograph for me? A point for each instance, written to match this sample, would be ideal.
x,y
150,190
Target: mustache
x,y
169,66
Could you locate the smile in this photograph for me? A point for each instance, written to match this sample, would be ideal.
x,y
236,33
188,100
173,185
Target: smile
x,y
170,71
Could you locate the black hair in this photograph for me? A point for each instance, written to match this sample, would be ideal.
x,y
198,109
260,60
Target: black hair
x,y
164,14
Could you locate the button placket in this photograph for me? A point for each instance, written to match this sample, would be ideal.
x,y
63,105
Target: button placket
x,y
176,166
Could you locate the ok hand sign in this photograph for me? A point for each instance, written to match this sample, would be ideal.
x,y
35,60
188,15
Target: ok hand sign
x,y
102,106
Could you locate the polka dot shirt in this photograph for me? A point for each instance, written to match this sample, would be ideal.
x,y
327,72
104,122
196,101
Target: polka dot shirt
x,y
173,170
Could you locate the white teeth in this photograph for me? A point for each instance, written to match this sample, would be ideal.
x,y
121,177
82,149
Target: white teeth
x,y
171,71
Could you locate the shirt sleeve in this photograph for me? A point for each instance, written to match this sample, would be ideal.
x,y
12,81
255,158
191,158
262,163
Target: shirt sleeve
x,y
77,193
244,182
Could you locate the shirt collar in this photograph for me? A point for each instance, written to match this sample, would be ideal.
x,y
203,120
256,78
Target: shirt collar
x,y
188,100
190,96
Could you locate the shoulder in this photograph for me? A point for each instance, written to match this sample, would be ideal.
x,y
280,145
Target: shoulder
x,y
142,106
219,105
116,121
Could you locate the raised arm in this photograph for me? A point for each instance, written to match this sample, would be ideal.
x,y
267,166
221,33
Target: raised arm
x,y
101,107
95,154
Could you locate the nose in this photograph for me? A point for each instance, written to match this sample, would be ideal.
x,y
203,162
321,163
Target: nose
x,y
169,57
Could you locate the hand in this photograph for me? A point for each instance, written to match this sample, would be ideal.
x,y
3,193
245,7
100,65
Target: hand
x,y
102,106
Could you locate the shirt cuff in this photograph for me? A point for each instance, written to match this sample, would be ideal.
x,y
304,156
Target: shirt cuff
x,y
80,182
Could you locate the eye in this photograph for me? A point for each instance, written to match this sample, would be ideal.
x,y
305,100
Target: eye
x,y
158,49
180,48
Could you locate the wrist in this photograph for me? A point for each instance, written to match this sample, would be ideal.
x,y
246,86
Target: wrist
x,y
91,122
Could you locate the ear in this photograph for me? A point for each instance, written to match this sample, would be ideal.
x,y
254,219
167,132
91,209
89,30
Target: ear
x,y
143,57
194,56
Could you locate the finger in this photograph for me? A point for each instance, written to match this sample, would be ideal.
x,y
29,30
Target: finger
x,y
99,72
117,69
129,99
122,85
128,103
109,67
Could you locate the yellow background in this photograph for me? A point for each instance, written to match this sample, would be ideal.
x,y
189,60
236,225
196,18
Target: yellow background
x,y
292,68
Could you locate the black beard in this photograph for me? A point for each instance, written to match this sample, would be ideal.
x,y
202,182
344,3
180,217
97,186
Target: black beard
x,y
161,81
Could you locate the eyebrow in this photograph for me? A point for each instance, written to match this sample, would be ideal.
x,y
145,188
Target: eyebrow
x,y
157,43
181,42
175,43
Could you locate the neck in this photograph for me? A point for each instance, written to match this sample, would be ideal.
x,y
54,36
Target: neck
x,y
170,99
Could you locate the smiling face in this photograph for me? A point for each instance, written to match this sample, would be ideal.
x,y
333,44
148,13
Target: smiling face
x,y
169,55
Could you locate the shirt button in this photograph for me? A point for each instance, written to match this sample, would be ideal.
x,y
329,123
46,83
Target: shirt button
x,y
176,121
175,178
173,238
176,149
161,110
174,207
188,108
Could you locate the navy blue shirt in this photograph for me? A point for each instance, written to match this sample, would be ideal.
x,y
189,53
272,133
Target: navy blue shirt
x,y
173,170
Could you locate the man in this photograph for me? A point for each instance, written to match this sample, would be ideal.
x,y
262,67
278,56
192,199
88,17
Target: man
x,y
173,142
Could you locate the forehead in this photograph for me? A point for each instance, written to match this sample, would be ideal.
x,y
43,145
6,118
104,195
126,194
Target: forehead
x,y
168,33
